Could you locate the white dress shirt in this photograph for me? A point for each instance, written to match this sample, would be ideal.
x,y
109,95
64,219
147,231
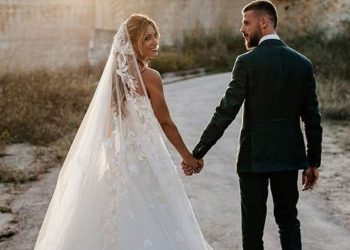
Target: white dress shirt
x,y
269,36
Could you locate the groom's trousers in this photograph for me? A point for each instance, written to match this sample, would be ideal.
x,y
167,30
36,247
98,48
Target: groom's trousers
x,y
254,192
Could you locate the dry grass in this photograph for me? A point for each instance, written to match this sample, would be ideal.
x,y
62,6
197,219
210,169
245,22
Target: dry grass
x,y
43,106
331,62
9,174
334,98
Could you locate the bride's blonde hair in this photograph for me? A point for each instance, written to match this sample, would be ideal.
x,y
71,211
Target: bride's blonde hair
x,y
137,26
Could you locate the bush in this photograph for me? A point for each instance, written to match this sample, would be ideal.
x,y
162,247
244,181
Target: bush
x,y
331,62
216,51
170,61
329,56
334,98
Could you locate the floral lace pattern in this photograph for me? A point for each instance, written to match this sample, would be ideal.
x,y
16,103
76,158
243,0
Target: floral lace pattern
x,y
124,54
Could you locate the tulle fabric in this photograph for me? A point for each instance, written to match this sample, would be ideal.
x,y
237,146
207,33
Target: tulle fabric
x,y
118,187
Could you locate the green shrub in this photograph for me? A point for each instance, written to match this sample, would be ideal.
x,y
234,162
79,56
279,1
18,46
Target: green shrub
x,y
216,51
170,61
329,56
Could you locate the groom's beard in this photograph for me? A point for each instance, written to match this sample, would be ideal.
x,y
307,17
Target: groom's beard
x,y
254,39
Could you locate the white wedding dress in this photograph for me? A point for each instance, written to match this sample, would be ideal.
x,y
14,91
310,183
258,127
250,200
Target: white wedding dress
x,y
118,188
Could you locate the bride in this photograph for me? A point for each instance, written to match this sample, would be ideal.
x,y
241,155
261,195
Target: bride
x,y
118,187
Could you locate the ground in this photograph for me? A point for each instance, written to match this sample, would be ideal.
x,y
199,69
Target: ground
x,y
214,193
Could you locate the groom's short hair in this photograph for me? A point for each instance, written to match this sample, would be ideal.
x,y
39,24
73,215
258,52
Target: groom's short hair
x,y
263,6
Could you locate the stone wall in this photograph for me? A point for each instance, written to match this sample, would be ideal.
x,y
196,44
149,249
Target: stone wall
x,y
70,33
305,16
173,18
44,33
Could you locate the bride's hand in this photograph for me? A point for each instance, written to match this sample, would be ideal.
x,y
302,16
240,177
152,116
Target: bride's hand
x,y
191,165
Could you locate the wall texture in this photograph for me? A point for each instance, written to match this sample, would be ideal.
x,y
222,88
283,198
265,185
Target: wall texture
x,y
44,33
304,16
172,16
72,33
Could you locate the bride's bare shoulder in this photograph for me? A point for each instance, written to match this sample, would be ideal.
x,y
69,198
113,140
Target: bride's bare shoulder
x,y
151,76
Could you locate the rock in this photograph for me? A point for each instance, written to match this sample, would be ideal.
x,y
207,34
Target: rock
x,y
7,233
7,229
18,156
24,162
5,209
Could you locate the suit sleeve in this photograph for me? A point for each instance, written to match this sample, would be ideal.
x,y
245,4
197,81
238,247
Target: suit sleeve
x,y
312,123
227,110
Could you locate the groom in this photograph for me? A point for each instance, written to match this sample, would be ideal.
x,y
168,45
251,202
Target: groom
x,y
277,86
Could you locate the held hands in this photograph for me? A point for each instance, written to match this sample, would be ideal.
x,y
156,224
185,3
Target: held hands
x,y
191,165
309,178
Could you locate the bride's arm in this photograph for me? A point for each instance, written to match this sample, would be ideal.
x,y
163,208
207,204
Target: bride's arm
x,y
154,86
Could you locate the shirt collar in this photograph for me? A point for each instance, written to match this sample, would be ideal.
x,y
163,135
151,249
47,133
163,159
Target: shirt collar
x,y
269,36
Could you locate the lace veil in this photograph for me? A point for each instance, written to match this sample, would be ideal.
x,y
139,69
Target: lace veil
x,y
77,204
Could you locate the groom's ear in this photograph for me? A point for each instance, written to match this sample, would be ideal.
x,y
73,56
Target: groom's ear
x,y
264,22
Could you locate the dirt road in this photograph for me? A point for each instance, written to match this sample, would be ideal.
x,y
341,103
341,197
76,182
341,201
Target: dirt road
x,y
214,193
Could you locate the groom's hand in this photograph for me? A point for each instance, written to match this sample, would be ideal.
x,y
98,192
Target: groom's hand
x,y
310,177
192,165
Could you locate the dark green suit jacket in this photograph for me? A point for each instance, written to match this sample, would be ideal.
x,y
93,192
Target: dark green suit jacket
x,y
277,86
